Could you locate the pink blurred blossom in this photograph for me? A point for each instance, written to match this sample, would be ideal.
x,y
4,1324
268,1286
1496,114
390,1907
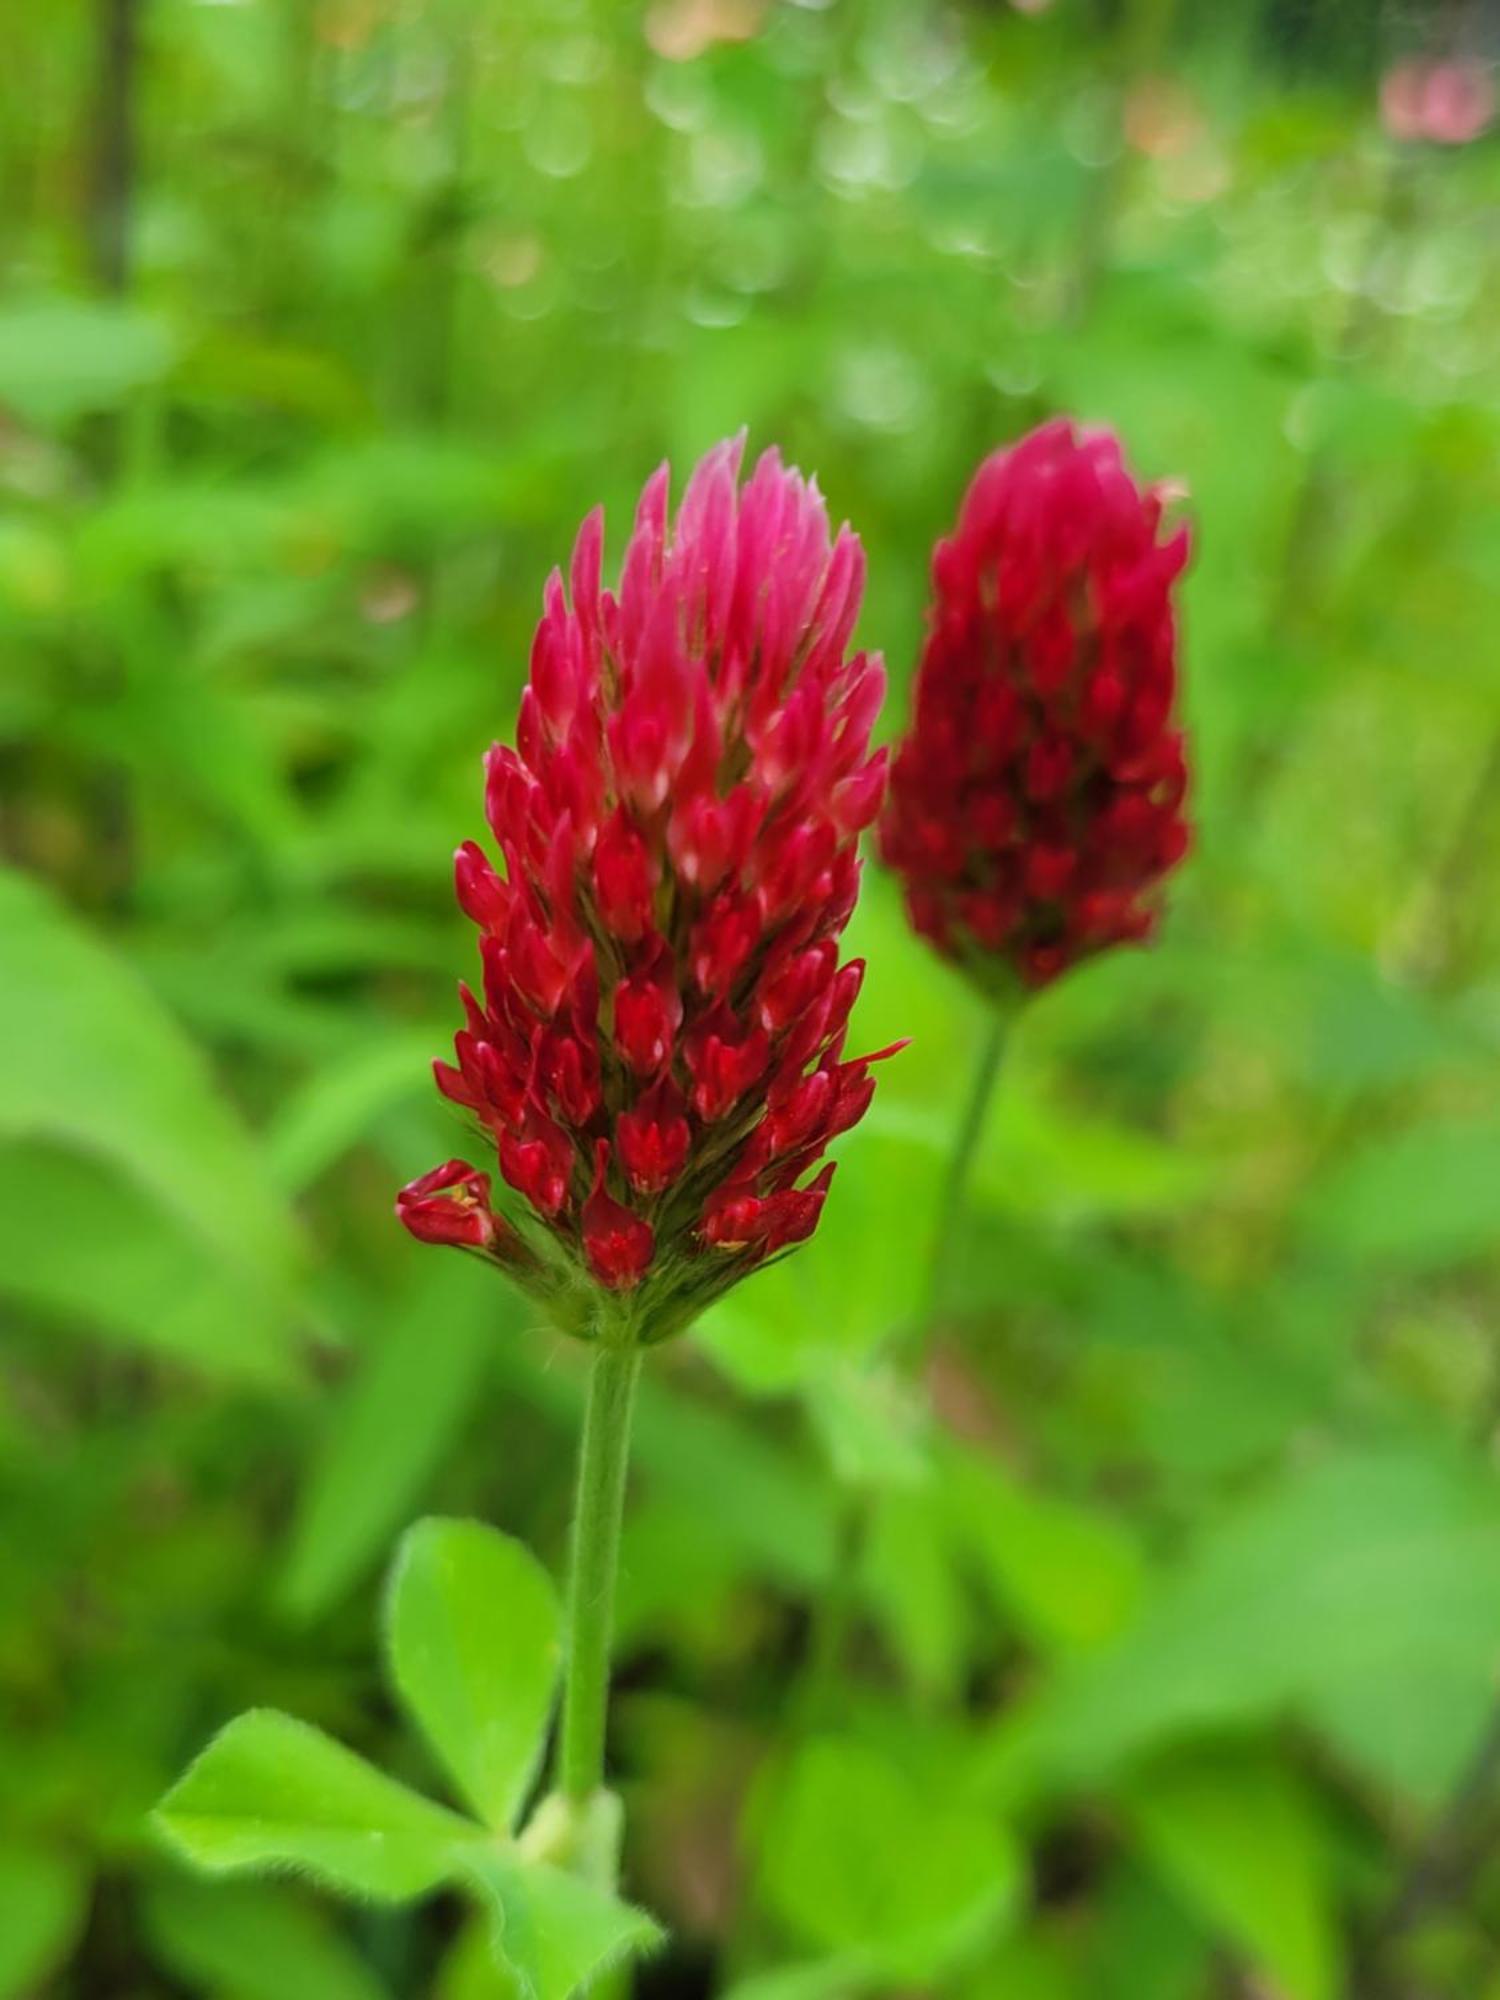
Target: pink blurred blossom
x,y
1446,103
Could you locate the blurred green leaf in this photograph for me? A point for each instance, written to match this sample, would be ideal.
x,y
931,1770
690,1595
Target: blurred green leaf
x,y
273,1794
410,491
1041,1158
756,1494
252,1941
1363,1028
89,1058
856,1859
234,364
828,1979
840,1296
1069,1575
1419,1200
1414,1744
43,1900
1373,1570
1033,1964
213,524
62,357
1145,1936
388,1431
1238,1837
873,1424
913,1580
472,1631
335,1108
128,1274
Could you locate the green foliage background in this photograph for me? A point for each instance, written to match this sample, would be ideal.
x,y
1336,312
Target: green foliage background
x,y
1159,1662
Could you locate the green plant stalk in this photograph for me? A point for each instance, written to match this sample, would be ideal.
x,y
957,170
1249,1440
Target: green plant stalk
x,y
955,1193
835,1609
598,1513
833,1616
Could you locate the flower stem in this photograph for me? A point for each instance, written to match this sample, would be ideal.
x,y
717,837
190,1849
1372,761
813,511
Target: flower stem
x,y
598,1512
961,1162
833,1616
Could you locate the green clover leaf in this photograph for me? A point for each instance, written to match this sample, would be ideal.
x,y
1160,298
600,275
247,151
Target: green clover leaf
x,y
473,1653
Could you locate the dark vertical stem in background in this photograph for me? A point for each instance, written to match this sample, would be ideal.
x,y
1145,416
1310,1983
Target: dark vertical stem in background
x,y
108,225
1439,1872
1141,33
1427,946
299,58
833,1615
113,164
449,225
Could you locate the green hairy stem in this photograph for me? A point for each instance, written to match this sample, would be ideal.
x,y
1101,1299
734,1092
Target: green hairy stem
x,y
598,1512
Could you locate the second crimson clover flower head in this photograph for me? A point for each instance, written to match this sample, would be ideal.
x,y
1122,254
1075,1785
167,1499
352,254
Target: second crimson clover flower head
x,y
1037,802
657,1046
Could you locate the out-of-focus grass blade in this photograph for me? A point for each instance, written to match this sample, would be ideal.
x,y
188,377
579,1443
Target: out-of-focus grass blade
x,y
61,357
1239,1836
390,1428
255,1940
42,1902
337,1105
85,1247
89,1058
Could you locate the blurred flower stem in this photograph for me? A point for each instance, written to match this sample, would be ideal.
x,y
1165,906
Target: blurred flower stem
x,y
954,1201
833,1616
112,168
1133,52
595,1562
1439,1875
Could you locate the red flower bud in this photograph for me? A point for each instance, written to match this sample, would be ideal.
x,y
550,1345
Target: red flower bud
x,y
623,879
766,1224
569,1075
538,1163
788,992
647,1013
654,1139
724,1064
482,896
536,971
450,1205
796,1211
723,942
710,838
617,1244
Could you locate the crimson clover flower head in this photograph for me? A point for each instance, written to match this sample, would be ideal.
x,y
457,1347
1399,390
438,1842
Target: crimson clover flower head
x,y
656,1047
1037,801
